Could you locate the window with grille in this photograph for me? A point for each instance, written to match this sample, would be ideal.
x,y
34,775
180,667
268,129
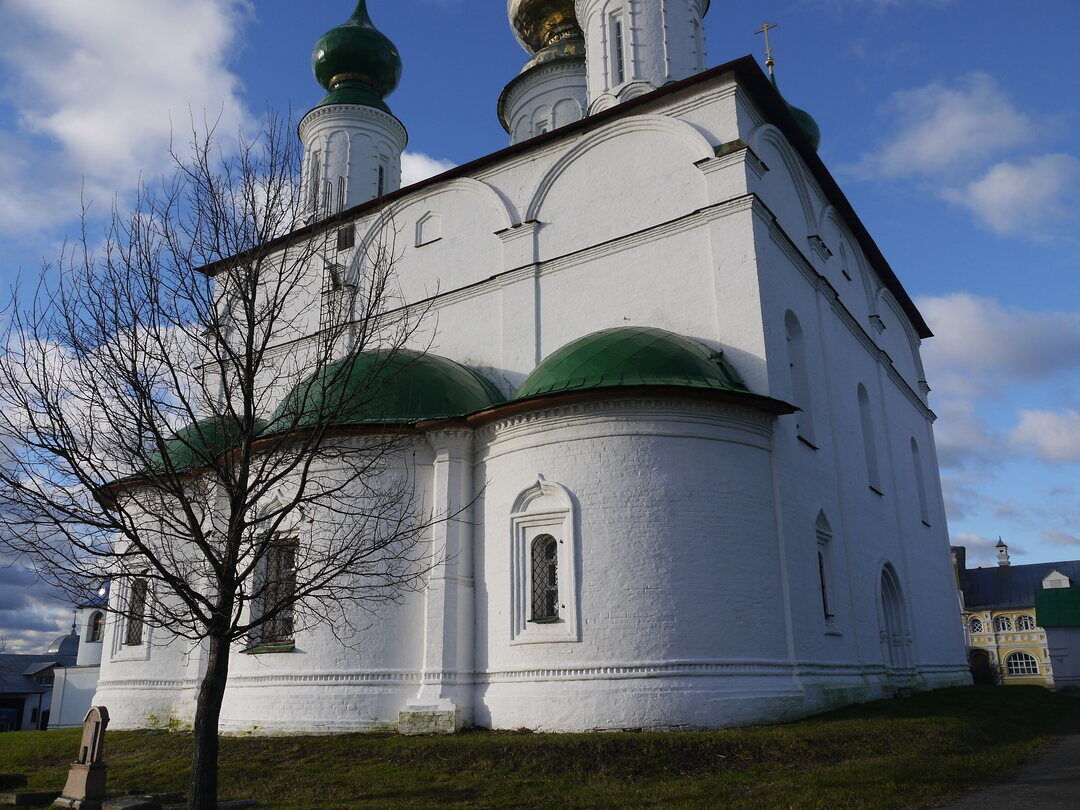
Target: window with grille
x,y
1025,623
97,627
1003,624
276,591
136,622
545,578
1021,664
975,626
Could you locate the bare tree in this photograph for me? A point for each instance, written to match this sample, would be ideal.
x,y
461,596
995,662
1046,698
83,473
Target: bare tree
x,y
3,644
190,409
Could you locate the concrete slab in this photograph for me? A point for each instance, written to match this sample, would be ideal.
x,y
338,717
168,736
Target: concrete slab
x,y
28,798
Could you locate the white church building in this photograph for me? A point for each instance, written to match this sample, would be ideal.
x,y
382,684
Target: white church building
x,y
687,408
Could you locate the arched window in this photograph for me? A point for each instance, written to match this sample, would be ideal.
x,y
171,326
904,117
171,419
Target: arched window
x,y
975,626
1003,624
1020,663
869,439
275,591
920,481
315,180
1024,623
824,541
618,49
800,381
545,578
97,628
894,633
544,598
136,610
340,194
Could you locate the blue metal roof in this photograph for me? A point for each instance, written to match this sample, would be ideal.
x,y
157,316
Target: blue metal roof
x,y
1011,585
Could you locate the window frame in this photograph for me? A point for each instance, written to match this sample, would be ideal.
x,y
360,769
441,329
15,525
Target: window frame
x,y
545,508
135,621
281,630
96,628
1026,620
1029,662
1003,624
972,623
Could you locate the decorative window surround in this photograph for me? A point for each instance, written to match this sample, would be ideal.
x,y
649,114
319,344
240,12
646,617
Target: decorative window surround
x,y
543,509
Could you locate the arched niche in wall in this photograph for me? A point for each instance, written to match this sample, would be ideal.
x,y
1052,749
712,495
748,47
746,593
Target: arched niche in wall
x,y
615,191
784,188
543,512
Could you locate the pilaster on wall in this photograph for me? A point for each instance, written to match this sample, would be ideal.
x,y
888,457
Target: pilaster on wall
x,y
444,701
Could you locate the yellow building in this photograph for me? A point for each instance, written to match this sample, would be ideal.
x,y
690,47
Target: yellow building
x,y
1005,643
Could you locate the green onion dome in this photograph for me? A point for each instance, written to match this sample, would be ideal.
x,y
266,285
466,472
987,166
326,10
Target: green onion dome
x,y
806,123
631,356
398,387
356,62
199,445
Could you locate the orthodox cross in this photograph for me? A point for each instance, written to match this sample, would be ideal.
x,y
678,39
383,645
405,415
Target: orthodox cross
x,y
770,63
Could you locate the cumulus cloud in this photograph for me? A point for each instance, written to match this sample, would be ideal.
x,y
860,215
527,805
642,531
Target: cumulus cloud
x,y
1053,436
949,140
1027,198
416,166
982,344
940,129
99,89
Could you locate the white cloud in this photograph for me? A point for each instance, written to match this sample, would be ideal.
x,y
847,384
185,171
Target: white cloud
x,y
99,89
1029,198
1056,538
1054,436
416,166
941,129
981,345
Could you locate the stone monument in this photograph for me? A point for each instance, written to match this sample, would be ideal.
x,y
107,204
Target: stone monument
x,y
85,789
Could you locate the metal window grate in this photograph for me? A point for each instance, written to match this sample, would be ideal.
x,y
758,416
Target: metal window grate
x,y
545,578
133,637
278,591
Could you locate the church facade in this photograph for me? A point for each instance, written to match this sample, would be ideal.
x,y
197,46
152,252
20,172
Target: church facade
x,y
690,414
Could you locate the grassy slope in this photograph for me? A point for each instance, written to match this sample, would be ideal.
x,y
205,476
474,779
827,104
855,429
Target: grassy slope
x,y
891,754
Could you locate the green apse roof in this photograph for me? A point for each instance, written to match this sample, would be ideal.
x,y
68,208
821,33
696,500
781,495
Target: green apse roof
x,y
356,63
631,356
199,444
1057,607
400,387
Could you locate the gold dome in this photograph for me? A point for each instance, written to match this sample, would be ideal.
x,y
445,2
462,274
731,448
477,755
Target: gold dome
x,y
541,24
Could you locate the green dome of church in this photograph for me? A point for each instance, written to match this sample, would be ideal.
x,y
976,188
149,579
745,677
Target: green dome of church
x,y
356,62
806,123
631,356
398,388
197,445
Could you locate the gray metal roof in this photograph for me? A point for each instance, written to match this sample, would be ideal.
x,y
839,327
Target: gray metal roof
x,y
13,673
1011,585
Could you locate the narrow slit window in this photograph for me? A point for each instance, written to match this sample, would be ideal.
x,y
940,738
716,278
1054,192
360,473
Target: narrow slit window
x,y
869,439
382,181
618,51
341,194
315,180
328,196
545,578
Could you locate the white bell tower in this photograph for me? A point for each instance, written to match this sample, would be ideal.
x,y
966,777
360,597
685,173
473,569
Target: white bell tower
x,y
636,46
352,142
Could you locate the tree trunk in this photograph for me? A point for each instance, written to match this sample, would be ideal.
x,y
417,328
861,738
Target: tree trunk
x,y
204,761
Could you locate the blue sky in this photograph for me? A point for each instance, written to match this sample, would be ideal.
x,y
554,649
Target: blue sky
x,y
952,125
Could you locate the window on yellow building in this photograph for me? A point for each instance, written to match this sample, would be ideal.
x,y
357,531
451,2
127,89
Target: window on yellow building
x,y
1020,663
1003,624
1025,623
975,626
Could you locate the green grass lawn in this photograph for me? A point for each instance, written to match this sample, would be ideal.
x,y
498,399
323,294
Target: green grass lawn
x,y
890,754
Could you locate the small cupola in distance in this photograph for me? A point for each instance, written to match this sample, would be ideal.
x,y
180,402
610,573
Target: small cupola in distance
x,y
1003,553
352,142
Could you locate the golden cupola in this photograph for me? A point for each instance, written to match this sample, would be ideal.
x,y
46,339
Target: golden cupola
x,y
547,29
